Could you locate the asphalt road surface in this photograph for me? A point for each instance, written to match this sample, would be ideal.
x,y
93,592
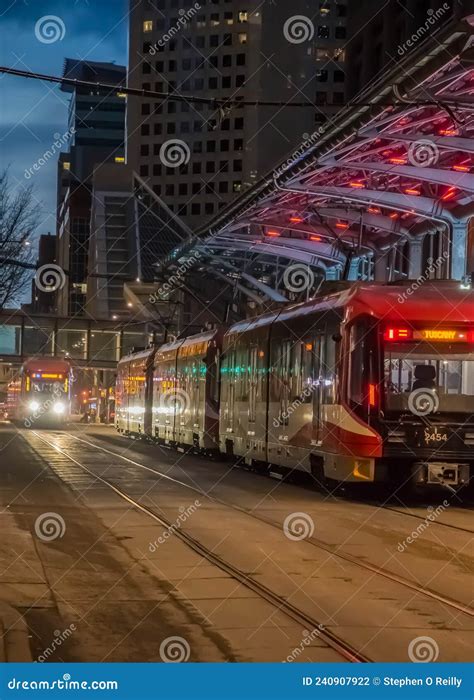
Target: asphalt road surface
x,y
117,550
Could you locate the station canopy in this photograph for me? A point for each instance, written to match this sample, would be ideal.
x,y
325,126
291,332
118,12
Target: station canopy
x,y
394,164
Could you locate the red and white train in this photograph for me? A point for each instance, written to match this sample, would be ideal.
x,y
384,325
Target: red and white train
x,y
372,383
41,393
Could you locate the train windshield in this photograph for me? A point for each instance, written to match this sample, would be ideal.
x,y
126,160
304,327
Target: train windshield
x,y
41,386
422,378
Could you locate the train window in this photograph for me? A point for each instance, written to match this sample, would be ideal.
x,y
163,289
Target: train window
x,y
307,369
328,371
282,357
253,383
275,372
296,369
213,370
239,372
228,367
448,376
356,370
302,371
285,364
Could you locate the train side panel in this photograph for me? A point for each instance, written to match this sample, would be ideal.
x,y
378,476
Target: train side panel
x,y
164,395
295,348
122,396
133,384
244,388
197,392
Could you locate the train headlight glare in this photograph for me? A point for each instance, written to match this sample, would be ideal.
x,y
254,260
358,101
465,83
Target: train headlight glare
x,y
34,405
59,408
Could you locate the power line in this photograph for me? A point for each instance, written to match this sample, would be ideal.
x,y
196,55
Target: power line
x,y
221,104
152,94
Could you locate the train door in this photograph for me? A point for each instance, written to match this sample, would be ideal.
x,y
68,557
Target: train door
x,y
148,396
197,398
318,379
231,391
285,360
253,383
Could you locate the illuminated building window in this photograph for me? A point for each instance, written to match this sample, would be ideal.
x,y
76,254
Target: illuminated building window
x,y
148,25
242,38
243,16
119,159
66,166
322,54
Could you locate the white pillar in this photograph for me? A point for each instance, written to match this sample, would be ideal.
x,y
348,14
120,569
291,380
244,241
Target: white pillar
x,y
459,249
416,258
381,272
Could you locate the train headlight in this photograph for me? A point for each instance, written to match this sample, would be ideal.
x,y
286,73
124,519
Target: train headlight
x,y
34,405
59,407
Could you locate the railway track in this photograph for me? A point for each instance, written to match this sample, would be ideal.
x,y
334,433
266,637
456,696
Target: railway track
x,y
367,566
345,650
433,522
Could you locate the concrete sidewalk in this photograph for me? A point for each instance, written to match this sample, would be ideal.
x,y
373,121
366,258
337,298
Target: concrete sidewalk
x,y
14,638
19,570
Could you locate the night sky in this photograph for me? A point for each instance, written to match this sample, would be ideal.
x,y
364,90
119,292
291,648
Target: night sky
x,y
32,112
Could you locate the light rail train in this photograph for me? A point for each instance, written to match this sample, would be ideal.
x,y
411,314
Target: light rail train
x,y
361,385
41,393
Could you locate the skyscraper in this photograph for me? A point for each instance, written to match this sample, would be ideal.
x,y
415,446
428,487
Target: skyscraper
x,y
97,133
194,156
383,33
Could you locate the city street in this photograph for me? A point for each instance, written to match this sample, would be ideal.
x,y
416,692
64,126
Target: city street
x,y
114,547
237,349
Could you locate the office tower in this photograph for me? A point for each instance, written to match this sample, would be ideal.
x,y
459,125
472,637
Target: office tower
x,y
195,157
96,127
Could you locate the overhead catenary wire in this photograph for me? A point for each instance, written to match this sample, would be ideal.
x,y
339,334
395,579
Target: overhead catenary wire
x,y
218,104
